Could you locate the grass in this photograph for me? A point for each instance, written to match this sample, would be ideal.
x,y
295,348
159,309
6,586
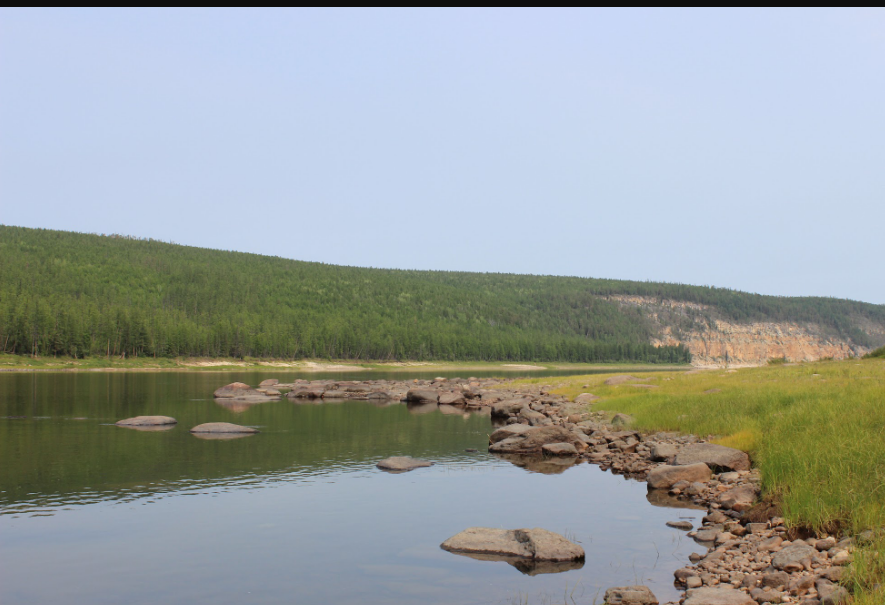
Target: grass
x,y
816,431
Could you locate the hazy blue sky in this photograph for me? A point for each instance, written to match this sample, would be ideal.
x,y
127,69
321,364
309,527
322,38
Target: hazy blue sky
x,y
733,148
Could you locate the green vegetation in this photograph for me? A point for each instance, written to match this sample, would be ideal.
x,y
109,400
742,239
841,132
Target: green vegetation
x,y
877,354
814,430
82,295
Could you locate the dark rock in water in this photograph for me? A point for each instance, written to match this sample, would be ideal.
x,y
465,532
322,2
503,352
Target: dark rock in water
x,y
402,464
714,456
630,595
422,395
505,432
147,421
471,450
683,525
221,436
451,399
537,543
222,427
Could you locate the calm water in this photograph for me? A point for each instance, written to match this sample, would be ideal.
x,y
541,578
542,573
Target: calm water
x,y
93,513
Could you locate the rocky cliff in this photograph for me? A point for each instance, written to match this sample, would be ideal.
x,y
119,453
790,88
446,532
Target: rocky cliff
x,y
715,341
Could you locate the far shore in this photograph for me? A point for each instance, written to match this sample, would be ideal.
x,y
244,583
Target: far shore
x,y
18,363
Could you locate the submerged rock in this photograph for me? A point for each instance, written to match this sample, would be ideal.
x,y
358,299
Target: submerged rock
x,y
422,396
402,464
537,544
718,595
222,427
147,421
532,440
630,595
529,567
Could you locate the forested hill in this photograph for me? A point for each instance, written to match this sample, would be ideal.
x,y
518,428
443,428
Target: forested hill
x,y
73,294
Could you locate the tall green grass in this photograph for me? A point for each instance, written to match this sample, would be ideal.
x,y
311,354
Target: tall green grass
x,y
816,431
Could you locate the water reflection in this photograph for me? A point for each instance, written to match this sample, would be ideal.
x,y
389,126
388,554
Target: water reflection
x,y
529,567
538,463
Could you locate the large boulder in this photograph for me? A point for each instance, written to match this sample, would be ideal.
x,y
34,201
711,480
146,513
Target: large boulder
x,y
451,398
531,441
502,409
422,396
665,476
718,595
536,543
739,498
222,427
793,556
630,595
505,432
714,456
147,421
559,449
402,464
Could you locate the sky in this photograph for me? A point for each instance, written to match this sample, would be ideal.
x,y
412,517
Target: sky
x,y
733,148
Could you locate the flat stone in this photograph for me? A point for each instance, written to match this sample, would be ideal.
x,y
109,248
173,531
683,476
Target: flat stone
x,y
505,432
559,449
269,382
534,543
793,555
222,427
402,464
502,409
532,440
718,595
714,456
665,476
147,421
630,595
683,525
664,452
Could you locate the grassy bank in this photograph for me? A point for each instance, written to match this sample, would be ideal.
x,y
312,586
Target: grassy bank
x,y
205,364
815,430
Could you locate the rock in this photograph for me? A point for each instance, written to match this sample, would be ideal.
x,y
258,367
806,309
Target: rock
x,y
663,452
621,420
534,418
683,525
559,449
222,427
663,477
586,398
718,595
825,544
714,456
422,396
402,464
147,421
532,440
743,495
793,556
708,534
630,595
505,432
502,409
242,392
270,382
534,543
831,594
776,579
451,399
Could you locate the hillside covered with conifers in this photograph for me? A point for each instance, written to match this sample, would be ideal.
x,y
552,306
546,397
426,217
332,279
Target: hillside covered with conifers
x,y
79,295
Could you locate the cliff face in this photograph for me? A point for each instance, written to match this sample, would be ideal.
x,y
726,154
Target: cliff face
x,y
715,341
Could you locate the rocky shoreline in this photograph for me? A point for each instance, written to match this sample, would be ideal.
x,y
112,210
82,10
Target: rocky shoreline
x,y
747,554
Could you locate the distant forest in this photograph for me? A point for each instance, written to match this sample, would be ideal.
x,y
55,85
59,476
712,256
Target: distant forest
x,y
82,295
